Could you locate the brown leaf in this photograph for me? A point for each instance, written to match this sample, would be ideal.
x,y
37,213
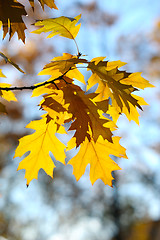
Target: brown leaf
x,y
12,10
85,115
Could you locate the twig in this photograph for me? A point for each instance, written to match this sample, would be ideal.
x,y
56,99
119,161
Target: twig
x,y
35,86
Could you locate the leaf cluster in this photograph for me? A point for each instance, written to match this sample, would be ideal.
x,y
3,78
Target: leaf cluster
x,y
92,117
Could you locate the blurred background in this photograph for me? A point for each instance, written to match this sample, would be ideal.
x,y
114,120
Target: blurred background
x,y
61,208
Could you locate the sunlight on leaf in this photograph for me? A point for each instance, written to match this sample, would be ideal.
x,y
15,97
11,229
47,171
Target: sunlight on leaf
x,y
40,144
97,154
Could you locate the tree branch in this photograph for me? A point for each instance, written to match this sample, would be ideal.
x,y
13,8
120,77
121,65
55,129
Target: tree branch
x,y
35,86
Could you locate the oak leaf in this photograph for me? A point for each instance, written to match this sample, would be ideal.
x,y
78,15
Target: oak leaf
x,y
136,80
85,115
40,144
11,12
63,26
97,154
7,95
133,115
117,85
64,64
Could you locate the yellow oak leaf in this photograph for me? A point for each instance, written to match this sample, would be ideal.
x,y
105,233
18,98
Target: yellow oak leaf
x,y
97,154
7,95
136,80
97,60
133,115
63,26
114,64
40,144
64,64
41,90
109,85
118,86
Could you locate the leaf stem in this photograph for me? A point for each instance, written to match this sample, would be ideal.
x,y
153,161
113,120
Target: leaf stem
x,y
78,52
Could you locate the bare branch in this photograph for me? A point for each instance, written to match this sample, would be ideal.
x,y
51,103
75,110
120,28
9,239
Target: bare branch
x,y
35,86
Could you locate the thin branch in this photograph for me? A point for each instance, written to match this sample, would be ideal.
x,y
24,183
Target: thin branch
x,y
35,86
28,87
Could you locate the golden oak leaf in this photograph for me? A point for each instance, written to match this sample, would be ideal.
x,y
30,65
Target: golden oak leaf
x,y
97,154
64,64
136,80
117,85
109,85
114,64
7,95
11,12
41,90
85,114
133,115
49,3
63,26
40,144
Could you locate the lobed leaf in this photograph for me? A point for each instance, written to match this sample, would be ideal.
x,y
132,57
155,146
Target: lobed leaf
x,y
40,144
117,85
7,95
85,115
63,26
97,154
64,64
11,12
